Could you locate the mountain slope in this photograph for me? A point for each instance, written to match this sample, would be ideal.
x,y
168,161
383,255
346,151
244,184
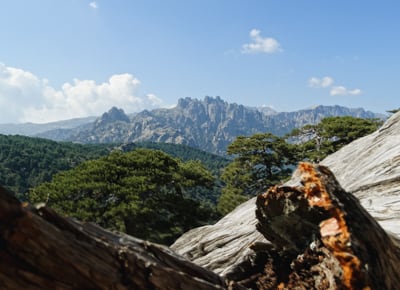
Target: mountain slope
x,y
367,167
26,162
211,124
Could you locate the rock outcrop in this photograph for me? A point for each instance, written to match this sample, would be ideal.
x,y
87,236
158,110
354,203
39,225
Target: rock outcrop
x,y
113,115
368,167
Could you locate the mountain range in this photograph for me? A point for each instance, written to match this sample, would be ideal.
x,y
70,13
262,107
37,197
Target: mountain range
x,y
210,124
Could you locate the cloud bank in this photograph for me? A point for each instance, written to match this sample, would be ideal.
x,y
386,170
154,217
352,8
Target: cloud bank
x,y
24,97
327,82
261,44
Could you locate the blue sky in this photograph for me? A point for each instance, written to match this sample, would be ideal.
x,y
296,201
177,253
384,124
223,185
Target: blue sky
x,y
61,59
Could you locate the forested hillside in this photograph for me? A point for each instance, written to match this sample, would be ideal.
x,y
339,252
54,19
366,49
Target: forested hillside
x,y
26,162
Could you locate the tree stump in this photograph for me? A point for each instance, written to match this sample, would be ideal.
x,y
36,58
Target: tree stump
x,y
321,238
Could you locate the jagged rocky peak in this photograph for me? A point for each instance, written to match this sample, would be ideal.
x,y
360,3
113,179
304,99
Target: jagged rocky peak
x,y
113,115
190,107
184,102
213,109
202,112
189,103
266,110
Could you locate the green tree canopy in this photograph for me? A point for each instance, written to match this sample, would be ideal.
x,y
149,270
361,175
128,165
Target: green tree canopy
x,y
394,111
260,161
331,134
25,162
142,192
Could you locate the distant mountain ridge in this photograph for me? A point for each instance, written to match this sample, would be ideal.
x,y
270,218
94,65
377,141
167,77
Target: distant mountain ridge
x,y
31,129
210,124
289,120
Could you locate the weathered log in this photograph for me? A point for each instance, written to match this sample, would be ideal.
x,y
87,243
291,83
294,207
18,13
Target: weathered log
x,y
317,236
322,238
41,250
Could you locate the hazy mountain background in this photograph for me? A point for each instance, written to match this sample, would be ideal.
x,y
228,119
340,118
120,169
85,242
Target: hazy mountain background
x,y
31,129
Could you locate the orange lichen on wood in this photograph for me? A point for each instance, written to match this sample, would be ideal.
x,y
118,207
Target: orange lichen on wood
x,y
334,232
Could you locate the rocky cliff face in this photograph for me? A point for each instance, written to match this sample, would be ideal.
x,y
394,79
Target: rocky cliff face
x,y
210,124
368,168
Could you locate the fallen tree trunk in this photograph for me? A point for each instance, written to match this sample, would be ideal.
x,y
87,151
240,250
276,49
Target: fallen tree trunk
x,y
321,238
317,237
41,250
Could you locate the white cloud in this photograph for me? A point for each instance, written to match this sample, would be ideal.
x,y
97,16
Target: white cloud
x,y
260,44
25,97
325,82
342,91
93,5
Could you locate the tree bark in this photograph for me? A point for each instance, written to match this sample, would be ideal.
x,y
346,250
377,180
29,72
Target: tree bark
x,y
41,250
321,238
